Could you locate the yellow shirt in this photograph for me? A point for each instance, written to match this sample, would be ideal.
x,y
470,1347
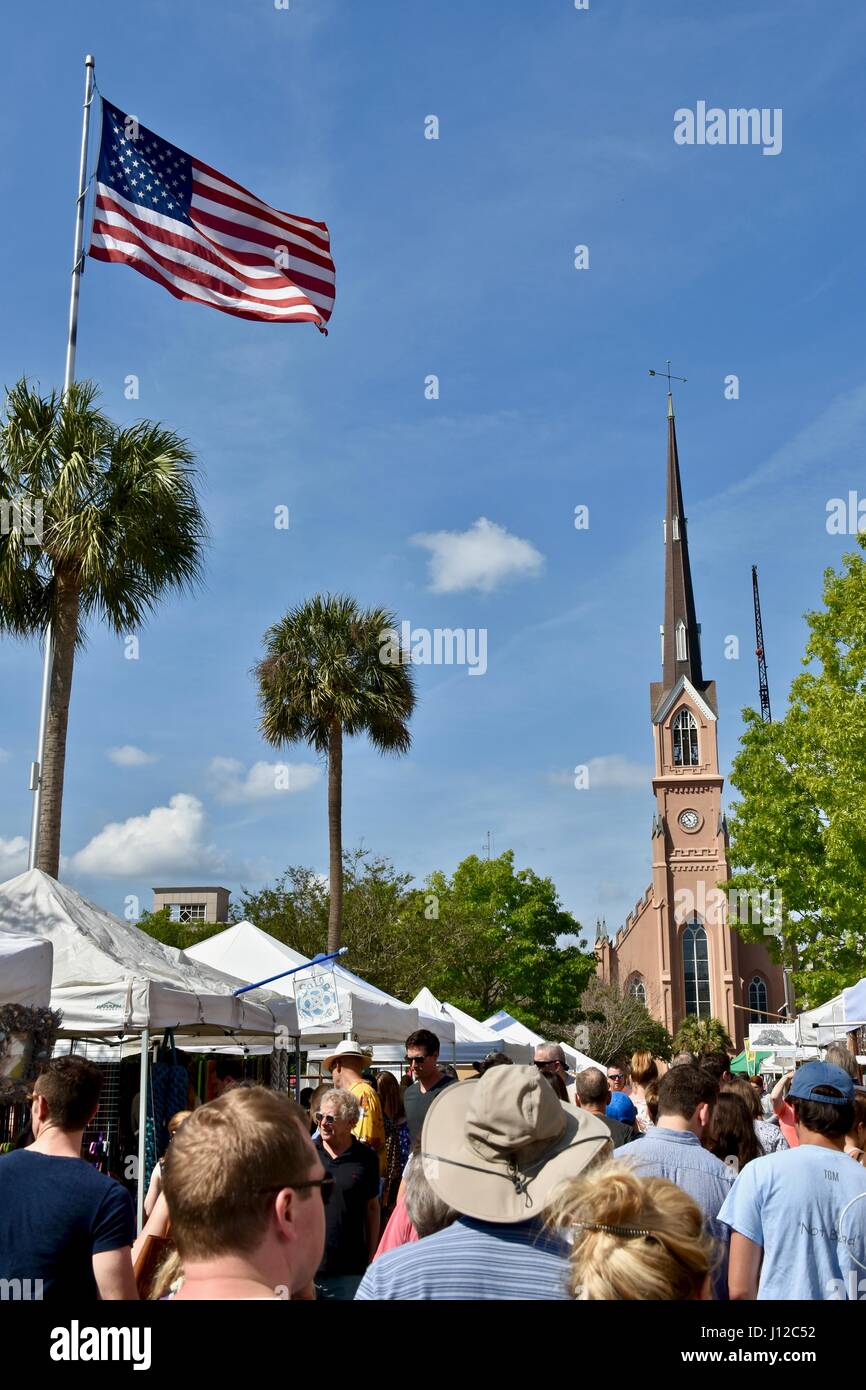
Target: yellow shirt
x,y
370,1128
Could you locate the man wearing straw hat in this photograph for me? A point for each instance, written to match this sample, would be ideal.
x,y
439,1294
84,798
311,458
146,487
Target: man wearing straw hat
x,y
496,1150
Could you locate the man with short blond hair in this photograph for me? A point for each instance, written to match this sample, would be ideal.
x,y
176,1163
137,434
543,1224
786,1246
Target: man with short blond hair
x,y
246,1193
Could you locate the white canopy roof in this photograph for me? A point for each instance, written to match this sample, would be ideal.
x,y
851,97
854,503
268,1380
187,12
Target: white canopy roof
x,y
508,1027
473,1039
25,971
252,954
830,1021
109,977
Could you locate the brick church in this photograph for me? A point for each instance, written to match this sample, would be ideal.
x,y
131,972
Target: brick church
x,y
676,950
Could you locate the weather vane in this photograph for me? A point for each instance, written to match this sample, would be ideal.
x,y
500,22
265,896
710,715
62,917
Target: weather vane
x,y
668,374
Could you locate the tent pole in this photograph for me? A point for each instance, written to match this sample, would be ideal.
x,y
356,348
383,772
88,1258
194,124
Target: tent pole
x,y
142,1126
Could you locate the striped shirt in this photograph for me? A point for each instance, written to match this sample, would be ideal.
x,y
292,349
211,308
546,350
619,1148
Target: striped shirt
x,y
473,1261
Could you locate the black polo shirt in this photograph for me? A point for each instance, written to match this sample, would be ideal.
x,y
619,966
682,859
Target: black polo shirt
x,y
356,1180
416,1103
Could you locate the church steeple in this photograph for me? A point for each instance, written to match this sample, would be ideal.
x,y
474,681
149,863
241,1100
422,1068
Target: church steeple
x,y
681,649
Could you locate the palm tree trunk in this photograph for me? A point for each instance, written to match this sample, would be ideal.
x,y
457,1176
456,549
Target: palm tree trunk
x,y
54,758
335,835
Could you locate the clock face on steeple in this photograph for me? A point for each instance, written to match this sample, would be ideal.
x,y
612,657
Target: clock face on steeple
x,y
689,819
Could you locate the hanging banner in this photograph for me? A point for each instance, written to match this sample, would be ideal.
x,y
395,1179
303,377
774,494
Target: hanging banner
x,y
772,1036
316,999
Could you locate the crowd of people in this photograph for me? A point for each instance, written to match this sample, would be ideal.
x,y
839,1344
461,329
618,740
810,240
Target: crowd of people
x,y
521,1182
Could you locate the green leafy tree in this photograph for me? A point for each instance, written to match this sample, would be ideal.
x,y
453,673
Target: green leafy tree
x,y
385,942
702,1035
323,678
799,828
162,927
619,1024
294,910
120,529
496,944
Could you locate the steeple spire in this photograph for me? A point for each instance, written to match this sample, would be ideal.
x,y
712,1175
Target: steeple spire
x,y
681,647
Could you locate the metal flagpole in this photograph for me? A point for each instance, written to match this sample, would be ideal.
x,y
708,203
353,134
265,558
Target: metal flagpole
x,y
68,378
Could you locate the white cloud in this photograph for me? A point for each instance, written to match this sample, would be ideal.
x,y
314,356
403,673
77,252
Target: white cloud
x,y
167,840
611,770
232,784
13,857
130,756
481,558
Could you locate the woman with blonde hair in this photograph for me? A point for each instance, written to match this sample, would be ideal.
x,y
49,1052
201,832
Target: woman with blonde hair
x,y
633,1238
643,1070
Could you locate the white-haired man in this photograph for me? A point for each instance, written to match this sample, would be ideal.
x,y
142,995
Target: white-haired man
x,y
551,1061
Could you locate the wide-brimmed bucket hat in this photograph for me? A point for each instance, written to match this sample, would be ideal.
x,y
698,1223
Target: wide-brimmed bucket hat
x,y
499,1147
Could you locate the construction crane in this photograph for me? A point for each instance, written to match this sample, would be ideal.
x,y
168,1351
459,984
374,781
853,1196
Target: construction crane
x,y
763,687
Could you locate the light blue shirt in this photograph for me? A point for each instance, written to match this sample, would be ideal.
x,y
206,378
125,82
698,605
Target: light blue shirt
x,y
682,1159
806,1208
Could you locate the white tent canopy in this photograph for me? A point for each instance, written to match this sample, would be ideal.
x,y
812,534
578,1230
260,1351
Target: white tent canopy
x,y
830,1021
366,1012
25,971
109,978
508,1027
473,1039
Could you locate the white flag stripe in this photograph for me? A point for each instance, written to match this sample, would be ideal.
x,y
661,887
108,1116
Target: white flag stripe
x,y
201,292
318,236
180,257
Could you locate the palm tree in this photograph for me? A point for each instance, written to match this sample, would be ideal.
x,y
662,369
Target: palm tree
x,y
323,676
702,1035
120,528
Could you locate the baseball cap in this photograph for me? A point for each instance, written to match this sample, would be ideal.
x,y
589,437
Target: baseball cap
x,y
809,1077
622,1108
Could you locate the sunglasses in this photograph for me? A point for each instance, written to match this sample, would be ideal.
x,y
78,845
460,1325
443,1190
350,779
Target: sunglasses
x,y
321,1118
615,1076
325,1186
414,1061
542,1065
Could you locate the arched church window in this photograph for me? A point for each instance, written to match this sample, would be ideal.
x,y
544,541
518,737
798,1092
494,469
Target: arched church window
x,y
696,971
758,1000
685,740
636,989
682,642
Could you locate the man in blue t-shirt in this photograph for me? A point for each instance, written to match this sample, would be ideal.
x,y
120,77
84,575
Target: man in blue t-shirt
x,y
66,1231
798,1217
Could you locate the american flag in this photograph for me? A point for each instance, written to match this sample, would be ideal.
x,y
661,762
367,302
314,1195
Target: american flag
x,y
201,235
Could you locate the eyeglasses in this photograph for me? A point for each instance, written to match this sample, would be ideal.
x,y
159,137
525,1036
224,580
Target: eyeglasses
x,y
415,1061
325,1186
322,1119
542,1065
612,1076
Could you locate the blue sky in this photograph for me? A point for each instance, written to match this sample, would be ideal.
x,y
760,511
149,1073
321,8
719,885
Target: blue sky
x,y
455,257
